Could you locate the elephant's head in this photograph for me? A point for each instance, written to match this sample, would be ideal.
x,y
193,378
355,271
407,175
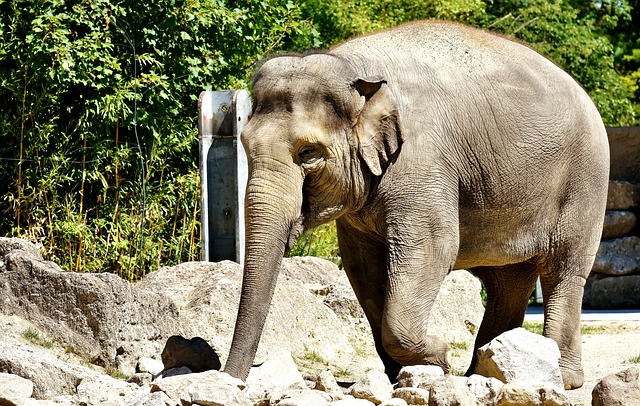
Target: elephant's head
x,y
318,136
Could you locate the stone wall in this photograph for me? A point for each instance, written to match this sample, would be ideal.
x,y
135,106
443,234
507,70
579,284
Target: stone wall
x,y
615,278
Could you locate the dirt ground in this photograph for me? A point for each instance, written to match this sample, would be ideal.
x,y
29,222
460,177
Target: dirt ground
x,y
606,348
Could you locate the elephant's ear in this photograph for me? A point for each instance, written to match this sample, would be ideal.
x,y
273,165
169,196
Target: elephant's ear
x,y
378,128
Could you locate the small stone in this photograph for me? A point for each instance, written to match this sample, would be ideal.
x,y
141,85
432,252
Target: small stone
x,y
326,382
622,388
394,402
168,373
374,387
518,393
150,365
105,390
275,376
451,390
618,223
618,256
419,376
615,292
352,402
183,387
622,195
413,396
14,389
195,354
553,396
483,388
299,397
521,355
141,379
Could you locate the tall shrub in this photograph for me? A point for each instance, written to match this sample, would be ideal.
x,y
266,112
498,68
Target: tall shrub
x,y
98,132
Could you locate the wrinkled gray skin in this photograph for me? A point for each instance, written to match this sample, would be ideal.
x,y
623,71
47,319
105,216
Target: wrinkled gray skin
x,y
435,147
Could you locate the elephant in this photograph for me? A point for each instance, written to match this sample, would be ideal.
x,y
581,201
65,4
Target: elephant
x,y
434,146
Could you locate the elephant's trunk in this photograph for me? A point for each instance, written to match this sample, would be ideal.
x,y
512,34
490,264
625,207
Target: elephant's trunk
x,y
271,212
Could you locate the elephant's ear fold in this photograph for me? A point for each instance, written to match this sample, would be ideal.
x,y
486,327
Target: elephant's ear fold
x,y
378,127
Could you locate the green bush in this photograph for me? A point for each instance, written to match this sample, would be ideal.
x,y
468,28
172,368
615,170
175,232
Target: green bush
x,y
98,103
98,132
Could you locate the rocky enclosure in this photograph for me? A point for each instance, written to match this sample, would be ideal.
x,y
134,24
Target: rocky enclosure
x,y
64,336
615,277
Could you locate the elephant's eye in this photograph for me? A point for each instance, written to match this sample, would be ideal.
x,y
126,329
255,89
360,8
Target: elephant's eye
x,y
310,155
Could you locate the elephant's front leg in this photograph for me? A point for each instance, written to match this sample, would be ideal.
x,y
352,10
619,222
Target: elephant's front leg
x,y
364,258
419,260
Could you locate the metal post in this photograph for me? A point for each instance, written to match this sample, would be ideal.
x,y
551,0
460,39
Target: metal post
x,y
223,173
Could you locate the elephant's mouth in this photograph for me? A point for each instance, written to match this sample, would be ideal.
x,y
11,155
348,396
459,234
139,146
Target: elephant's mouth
x,y
297,228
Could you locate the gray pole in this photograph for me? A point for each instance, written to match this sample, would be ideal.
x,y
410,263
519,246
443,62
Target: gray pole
x,y
223,173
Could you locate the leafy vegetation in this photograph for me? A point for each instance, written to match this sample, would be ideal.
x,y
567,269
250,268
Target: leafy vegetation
x,y
98,103
35,337
633,360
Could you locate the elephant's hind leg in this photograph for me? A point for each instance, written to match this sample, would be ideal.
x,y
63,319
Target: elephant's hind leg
x,y
508,291
562,283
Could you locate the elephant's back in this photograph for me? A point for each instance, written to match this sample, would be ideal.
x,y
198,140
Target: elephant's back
x,y
440,70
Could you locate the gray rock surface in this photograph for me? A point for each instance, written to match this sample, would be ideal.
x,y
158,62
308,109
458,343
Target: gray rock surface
x,y
200,299
622,195
615,292
618,223
101,316
14,389
374,386
620,389
519,355
419,376
412,396
451,390
620,256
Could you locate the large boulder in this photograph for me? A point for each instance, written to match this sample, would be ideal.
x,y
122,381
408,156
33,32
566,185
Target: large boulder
x,y
615,292
620,256
519,355
101,316
622,195
207,296
618,223
622,388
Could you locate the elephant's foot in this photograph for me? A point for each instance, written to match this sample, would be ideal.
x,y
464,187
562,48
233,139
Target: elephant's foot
x,y
572,378
432,350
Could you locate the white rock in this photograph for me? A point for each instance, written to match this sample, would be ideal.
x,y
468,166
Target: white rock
x,y
419,376
51,376
413,396
518,393
104,390
154,399
177,387
214,392
275,376
483,388
394,402
326,382
14,389
306,397
374,386
150,365
451,390
352,402
521,355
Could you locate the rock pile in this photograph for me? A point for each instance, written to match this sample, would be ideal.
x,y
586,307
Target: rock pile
x,y
615,277
94,339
